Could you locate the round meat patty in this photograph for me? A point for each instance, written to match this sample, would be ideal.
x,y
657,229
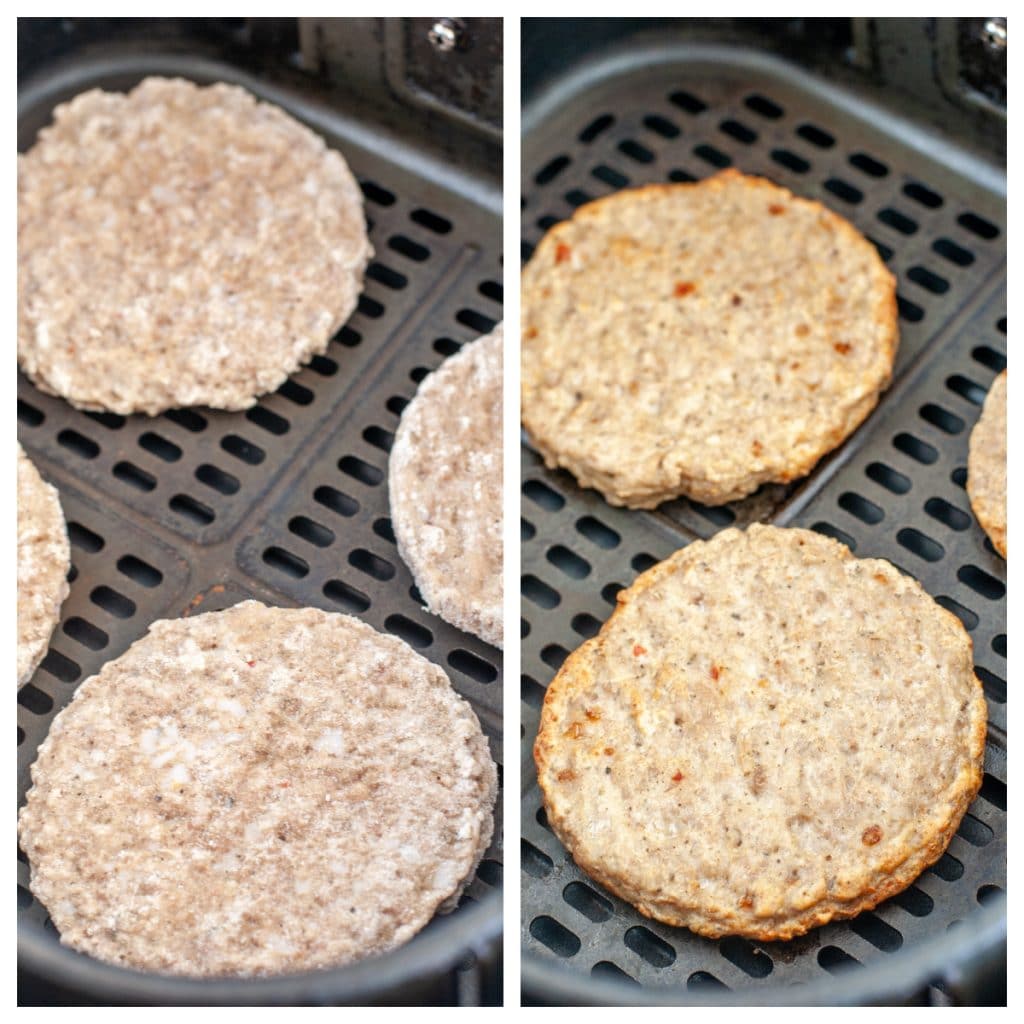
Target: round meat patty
x,y
701,339
181,245
44,558
986,465
444,480
254,791
768,734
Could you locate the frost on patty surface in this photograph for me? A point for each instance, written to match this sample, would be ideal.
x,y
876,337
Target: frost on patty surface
x,y
444,481
44,557
767,734
181,245
255,791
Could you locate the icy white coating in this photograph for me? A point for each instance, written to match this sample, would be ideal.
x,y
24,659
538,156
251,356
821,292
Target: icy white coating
x,y
44,557
444,480
181,245
255,791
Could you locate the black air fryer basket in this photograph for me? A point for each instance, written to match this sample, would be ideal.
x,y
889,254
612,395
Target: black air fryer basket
x,y
287,502
898,125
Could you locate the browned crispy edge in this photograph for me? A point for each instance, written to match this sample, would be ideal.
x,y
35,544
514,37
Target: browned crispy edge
x,y
886,313
996,532
905,871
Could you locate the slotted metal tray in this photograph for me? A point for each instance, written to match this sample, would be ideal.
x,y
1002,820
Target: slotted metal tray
x,y
678,112
197,509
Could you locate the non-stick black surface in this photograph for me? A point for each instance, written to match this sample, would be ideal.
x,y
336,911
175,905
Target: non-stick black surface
x,y
894,490
197,509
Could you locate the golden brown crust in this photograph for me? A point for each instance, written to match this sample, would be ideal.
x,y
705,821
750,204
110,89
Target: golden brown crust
x,y
986,466
581,783
646,391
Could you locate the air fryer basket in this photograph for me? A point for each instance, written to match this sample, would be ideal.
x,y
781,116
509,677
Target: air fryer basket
x,y
671,110
197,509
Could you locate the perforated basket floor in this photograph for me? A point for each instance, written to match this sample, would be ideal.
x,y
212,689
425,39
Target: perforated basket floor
x,y
894,490
287,502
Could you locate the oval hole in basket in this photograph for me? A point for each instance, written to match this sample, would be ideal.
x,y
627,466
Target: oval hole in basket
x,y
914,901
648,946
242,449
542,495
569,562
994,687
530,691
589,903
703,980
537,591
993,791
112,602
586,625
139,571
596,127
470,665
966,388
555,936
534,862
553,655
336,501
946,421
949,515
60,667
82,537
311,531
606,969
975,831
412,633
159,446
35,700
82,446
887,477
746,957
285,562
346,596
835,960
371,564
879,933
195,511
965,615
948,868
216,479
596,532
981,582
86,633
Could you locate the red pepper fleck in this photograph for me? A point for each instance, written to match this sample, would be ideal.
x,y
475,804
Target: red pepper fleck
x,y
609,751
714,671
678,777
594,714
566,775
250,663
283,785
684,288
775,209
871,835
842,347
531,332
638,650
562,252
